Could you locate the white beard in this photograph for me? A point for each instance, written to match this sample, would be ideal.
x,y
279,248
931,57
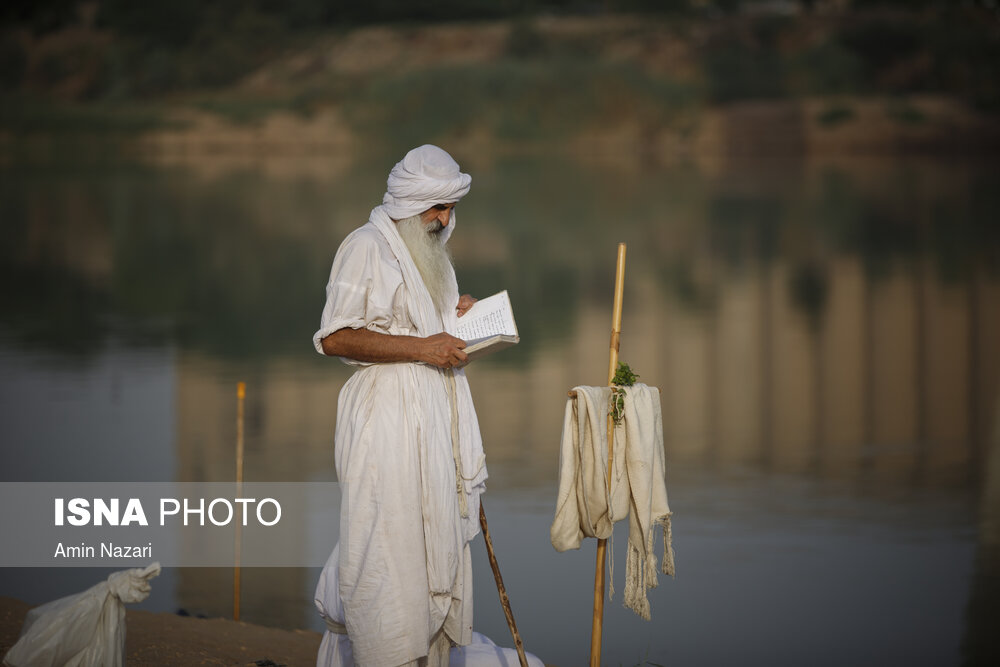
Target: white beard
x,y
432,258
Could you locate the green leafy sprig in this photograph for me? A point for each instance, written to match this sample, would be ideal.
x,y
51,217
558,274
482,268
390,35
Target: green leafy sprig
x,y
624,377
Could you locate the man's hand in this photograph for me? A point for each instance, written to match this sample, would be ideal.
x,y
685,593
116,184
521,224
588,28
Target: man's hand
x,y
443,350
464,303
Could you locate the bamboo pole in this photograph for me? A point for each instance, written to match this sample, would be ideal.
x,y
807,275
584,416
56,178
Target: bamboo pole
x,y
241,392
504,601
602,545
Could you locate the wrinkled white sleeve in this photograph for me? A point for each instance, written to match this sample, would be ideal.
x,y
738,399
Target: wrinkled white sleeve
x,y
359,293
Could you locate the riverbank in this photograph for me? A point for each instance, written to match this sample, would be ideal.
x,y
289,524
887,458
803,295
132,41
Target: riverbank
x,y
811,129
157,639
653,88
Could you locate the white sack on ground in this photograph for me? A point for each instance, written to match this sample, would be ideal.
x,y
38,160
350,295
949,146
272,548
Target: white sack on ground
x,y
482,652
585,508
82,630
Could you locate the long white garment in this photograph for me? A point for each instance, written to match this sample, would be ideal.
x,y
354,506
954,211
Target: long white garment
x,y
586,507
335,649
402,566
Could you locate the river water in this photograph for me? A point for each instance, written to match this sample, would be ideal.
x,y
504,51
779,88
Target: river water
x,y
824,336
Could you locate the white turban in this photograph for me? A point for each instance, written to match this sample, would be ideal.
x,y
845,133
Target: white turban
x,y
426,177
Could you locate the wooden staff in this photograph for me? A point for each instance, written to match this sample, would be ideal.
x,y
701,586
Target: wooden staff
x,y
504,601
602,545
241,392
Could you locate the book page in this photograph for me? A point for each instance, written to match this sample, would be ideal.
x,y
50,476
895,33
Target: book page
x,y
488,317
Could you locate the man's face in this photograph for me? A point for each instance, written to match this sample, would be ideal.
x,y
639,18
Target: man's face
x,y
437,217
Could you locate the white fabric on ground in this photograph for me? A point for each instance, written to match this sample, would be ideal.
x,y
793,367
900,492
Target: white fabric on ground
x,y
482,652
402,567
84,629
586,508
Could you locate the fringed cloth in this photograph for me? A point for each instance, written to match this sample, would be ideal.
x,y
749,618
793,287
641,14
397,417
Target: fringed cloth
x,y
586,508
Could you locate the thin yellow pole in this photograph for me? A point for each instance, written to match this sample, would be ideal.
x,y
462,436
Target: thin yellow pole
x,y
602,545
241,392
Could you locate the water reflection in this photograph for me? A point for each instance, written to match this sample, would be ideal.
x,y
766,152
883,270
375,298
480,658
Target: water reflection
x,y
823,335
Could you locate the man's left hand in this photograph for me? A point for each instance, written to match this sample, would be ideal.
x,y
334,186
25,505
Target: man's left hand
x,y
464,303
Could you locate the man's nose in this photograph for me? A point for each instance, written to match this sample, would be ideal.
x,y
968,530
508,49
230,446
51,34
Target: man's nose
x,y
445,218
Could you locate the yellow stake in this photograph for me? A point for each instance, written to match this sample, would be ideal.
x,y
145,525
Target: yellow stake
x,y
241,392
616,328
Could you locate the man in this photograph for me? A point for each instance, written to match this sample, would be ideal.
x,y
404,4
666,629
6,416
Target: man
x,y
397,589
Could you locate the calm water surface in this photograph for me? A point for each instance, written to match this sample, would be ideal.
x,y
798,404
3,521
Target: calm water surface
x,y
824,337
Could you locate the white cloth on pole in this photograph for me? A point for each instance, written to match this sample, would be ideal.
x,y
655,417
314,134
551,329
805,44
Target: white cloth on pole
x,y
401,571
82,630
585,507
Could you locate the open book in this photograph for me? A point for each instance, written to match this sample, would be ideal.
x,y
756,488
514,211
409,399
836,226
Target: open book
x,y
488,326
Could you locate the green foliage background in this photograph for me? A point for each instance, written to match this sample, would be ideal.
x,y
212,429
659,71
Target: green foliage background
x,y
161,47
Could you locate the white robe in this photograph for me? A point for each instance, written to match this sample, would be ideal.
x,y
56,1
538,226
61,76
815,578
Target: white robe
x,y
403,569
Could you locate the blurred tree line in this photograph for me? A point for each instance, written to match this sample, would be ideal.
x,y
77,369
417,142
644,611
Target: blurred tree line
x,y
155,47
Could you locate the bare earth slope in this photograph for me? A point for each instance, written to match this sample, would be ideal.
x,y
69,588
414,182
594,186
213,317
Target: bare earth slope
x,y
168,639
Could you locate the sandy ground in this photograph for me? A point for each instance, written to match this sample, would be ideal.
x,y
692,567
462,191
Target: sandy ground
x,y
168,639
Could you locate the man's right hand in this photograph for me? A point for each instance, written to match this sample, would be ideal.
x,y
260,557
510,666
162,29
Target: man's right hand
x,y
443,350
